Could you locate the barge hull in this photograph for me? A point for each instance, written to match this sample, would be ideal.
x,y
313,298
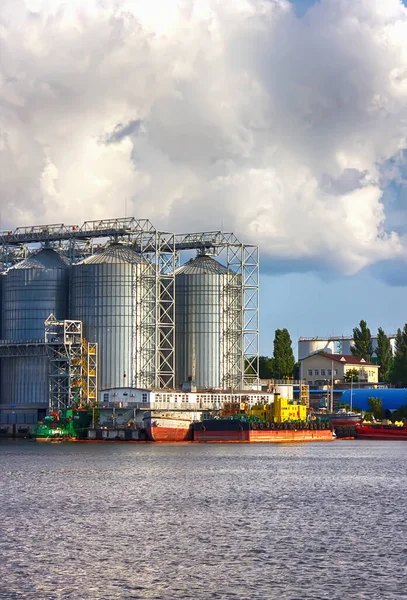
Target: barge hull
x,y
169,434
306,435
382,433
263,436
223,430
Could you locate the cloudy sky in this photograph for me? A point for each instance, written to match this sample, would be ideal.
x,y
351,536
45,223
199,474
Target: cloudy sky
x,y
284,121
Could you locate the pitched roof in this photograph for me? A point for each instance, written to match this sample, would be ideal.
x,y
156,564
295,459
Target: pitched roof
x,y
344,358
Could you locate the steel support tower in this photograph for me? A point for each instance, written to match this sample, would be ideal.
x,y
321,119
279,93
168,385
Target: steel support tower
x,y
72,365
163,251
241,333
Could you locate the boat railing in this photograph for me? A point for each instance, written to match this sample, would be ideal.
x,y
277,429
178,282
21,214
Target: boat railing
x,y
185,405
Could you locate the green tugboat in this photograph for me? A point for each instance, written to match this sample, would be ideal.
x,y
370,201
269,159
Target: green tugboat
x,y
67,425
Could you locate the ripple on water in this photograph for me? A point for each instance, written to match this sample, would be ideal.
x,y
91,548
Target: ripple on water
x,y
118,521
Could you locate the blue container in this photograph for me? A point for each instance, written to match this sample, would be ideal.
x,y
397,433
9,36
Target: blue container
x,y
391,399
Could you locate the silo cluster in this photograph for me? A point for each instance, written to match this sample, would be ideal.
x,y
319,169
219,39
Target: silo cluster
x,y
113,292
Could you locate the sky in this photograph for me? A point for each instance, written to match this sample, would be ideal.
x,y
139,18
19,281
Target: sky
x,y
285,122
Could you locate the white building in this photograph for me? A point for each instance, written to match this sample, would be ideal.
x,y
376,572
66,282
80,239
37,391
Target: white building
x,y
323,368
175,399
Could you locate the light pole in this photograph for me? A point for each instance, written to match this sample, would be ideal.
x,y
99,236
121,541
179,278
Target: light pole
x,y
332,386
351,391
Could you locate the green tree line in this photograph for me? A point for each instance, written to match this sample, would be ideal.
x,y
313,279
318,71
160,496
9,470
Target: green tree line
x,y
391,369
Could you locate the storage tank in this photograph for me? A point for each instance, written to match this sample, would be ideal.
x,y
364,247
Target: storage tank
x,y
285,390
345,346
32,290
112,292
392,398
208,324
309,346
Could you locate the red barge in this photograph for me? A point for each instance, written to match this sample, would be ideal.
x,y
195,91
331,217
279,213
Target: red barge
x,y
378,431
233,430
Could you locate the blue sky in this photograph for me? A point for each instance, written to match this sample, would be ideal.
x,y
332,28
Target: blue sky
x,y
302,5
310,306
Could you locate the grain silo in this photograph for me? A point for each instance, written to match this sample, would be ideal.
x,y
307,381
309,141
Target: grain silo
x,y
208,324
112,292
31,291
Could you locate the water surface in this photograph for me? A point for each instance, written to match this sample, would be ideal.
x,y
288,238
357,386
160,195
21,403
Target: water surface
x,y
211,521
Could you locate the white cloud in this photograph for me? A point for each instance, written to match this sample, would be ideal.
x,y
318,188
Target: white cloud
x,y
201,112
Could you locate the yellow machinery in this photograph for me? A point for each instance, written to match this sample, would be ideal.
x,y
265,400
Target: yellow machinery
x,y
263,412
283,411
279,412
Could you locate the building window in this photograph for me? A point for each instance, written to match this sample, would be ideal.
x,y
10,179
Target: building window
x,y
316,372
322,371
144,397
336,372
105,397
309,371
329,372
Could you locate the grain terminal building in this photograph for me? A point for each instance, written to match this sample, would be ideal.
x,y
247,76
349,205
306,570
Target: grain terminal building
x,y
112,304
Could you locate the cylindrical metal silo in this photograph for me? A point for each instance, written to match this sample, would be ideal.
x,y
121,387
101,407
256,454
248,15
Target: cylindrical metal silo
x,y
309,346
208,324
31,291
112,292
346,345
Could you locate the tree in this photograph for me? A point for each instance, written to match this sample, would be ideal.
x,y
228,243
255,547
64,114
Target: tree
x,y
399,370
297,371
363,342
375,405
283,361
384,355
265,367
400,414
351,375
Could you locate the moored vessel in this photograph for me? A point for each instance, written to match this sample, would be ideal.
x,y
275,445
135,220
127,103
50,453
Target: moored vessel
x,y
170,426
380,431
237,430
66,425
344,418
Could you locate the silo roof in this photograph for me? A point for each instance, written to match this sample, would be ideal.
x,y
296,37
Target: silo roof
x,y
202,265
44,259
114,254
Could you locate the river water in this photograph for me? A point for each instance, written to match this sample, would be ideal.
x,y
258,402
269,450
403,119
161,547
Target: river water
x,y
211,521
